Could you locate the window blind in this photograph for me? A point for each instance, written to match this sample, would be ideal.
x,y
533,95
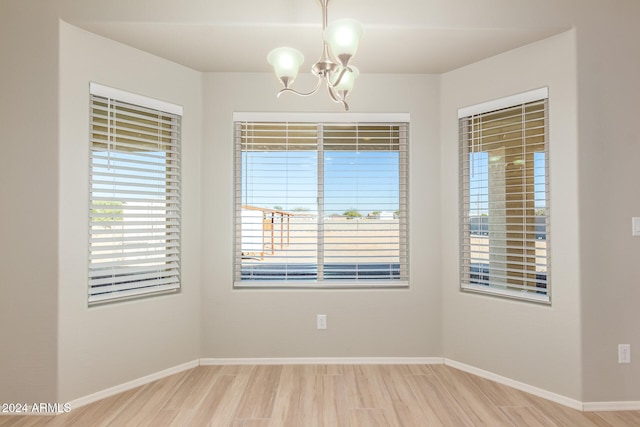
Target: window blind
x,y
504,200
321,202
134,212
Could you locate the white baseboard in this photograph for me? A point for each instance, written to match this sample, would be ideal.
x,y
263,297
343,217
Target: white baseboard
x,y
611,406
324,361
132,384
545,394
252,361
562,400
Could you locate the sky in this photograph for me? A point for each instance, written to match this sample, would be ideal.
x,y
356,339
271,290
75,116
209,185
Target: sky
x,y
367,181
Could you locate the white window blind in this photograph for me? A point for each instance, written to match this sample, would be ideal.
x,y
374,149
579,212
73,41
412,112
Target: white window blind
x,y
134,227
321,204
504,199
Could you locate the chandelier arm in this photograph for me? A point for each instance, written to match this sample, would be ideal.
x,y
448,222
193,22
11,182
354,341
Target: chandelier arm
x,y
286,62
287,89
335,98
340,76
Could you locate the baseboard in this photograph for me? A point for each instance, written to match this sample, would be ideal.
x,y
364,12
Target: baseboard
x,y
251,361
132,384
611,406
324,361
545,394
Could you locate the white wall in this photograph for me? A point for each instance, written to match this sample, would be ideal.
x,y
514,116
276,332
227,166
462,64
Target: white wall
x,y
28,201
104,346
281,323
536,344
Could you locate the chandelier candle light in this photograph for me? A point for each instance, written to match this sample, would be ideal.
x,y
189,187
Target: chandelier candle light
x,y
341,37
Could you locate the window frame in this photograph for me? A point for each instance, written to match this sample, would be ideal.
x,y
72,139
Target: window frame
x,y
146,182
485,283
321,118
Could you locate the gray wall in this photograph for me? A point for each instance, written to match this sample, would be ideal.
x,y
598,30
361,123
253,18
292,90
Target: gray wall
x,y
28,202
608,156
532,343
52,343
281,323
105,346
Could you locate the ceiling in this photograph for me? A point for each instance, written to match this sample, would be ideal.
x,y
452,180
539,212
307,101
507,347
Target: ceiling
x,y
401,36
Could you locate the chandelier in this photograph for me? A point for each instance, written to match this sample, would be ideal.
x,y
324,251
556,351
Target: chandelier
x,y
340,38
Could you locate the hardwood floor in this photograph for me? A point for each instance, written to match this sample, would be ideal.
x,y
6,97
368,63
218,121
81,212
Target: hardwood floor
x,y
325,395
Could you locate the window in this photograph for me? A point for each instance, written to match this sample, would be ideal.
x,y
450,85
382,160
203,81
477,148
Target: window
x,y
504,197
134,212
320,203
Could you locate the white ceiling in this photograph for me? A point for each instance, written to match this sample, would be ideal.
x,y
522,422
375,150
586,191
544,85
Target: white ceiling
x,y
401,36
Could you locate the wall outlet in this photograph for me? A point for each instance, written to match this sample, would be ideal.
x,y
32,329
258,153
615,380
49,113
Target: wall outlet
x,y
321,321
624,353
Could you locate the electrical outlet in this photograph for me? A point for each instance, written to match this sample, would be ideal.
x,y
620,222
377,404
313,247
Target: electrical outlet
x,y
321,321
624,353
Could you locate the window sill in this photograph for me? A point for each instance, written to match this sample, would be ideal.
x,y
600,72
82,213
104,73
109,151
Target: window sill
x,y
509,294
316,285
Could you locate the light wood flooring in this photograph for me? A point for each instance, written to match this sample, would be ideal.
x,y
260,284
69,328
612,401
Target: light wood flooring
x,y
325,395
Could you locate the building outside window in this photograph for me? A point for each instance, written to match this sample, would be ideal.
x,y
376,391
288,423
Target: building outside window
x,y
504,197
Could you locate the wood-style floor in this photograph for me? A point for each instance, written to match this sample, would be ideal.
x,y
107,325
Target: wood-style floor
x,y
326,395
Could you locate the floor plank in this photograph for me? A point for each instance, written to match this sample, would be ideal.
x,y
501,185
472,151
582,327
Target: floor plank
x,y
471,398
194,386
620,418
368,418
436,401
295,402
406,410
259,395
526,416
149,400
325,395
566,417
330,393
